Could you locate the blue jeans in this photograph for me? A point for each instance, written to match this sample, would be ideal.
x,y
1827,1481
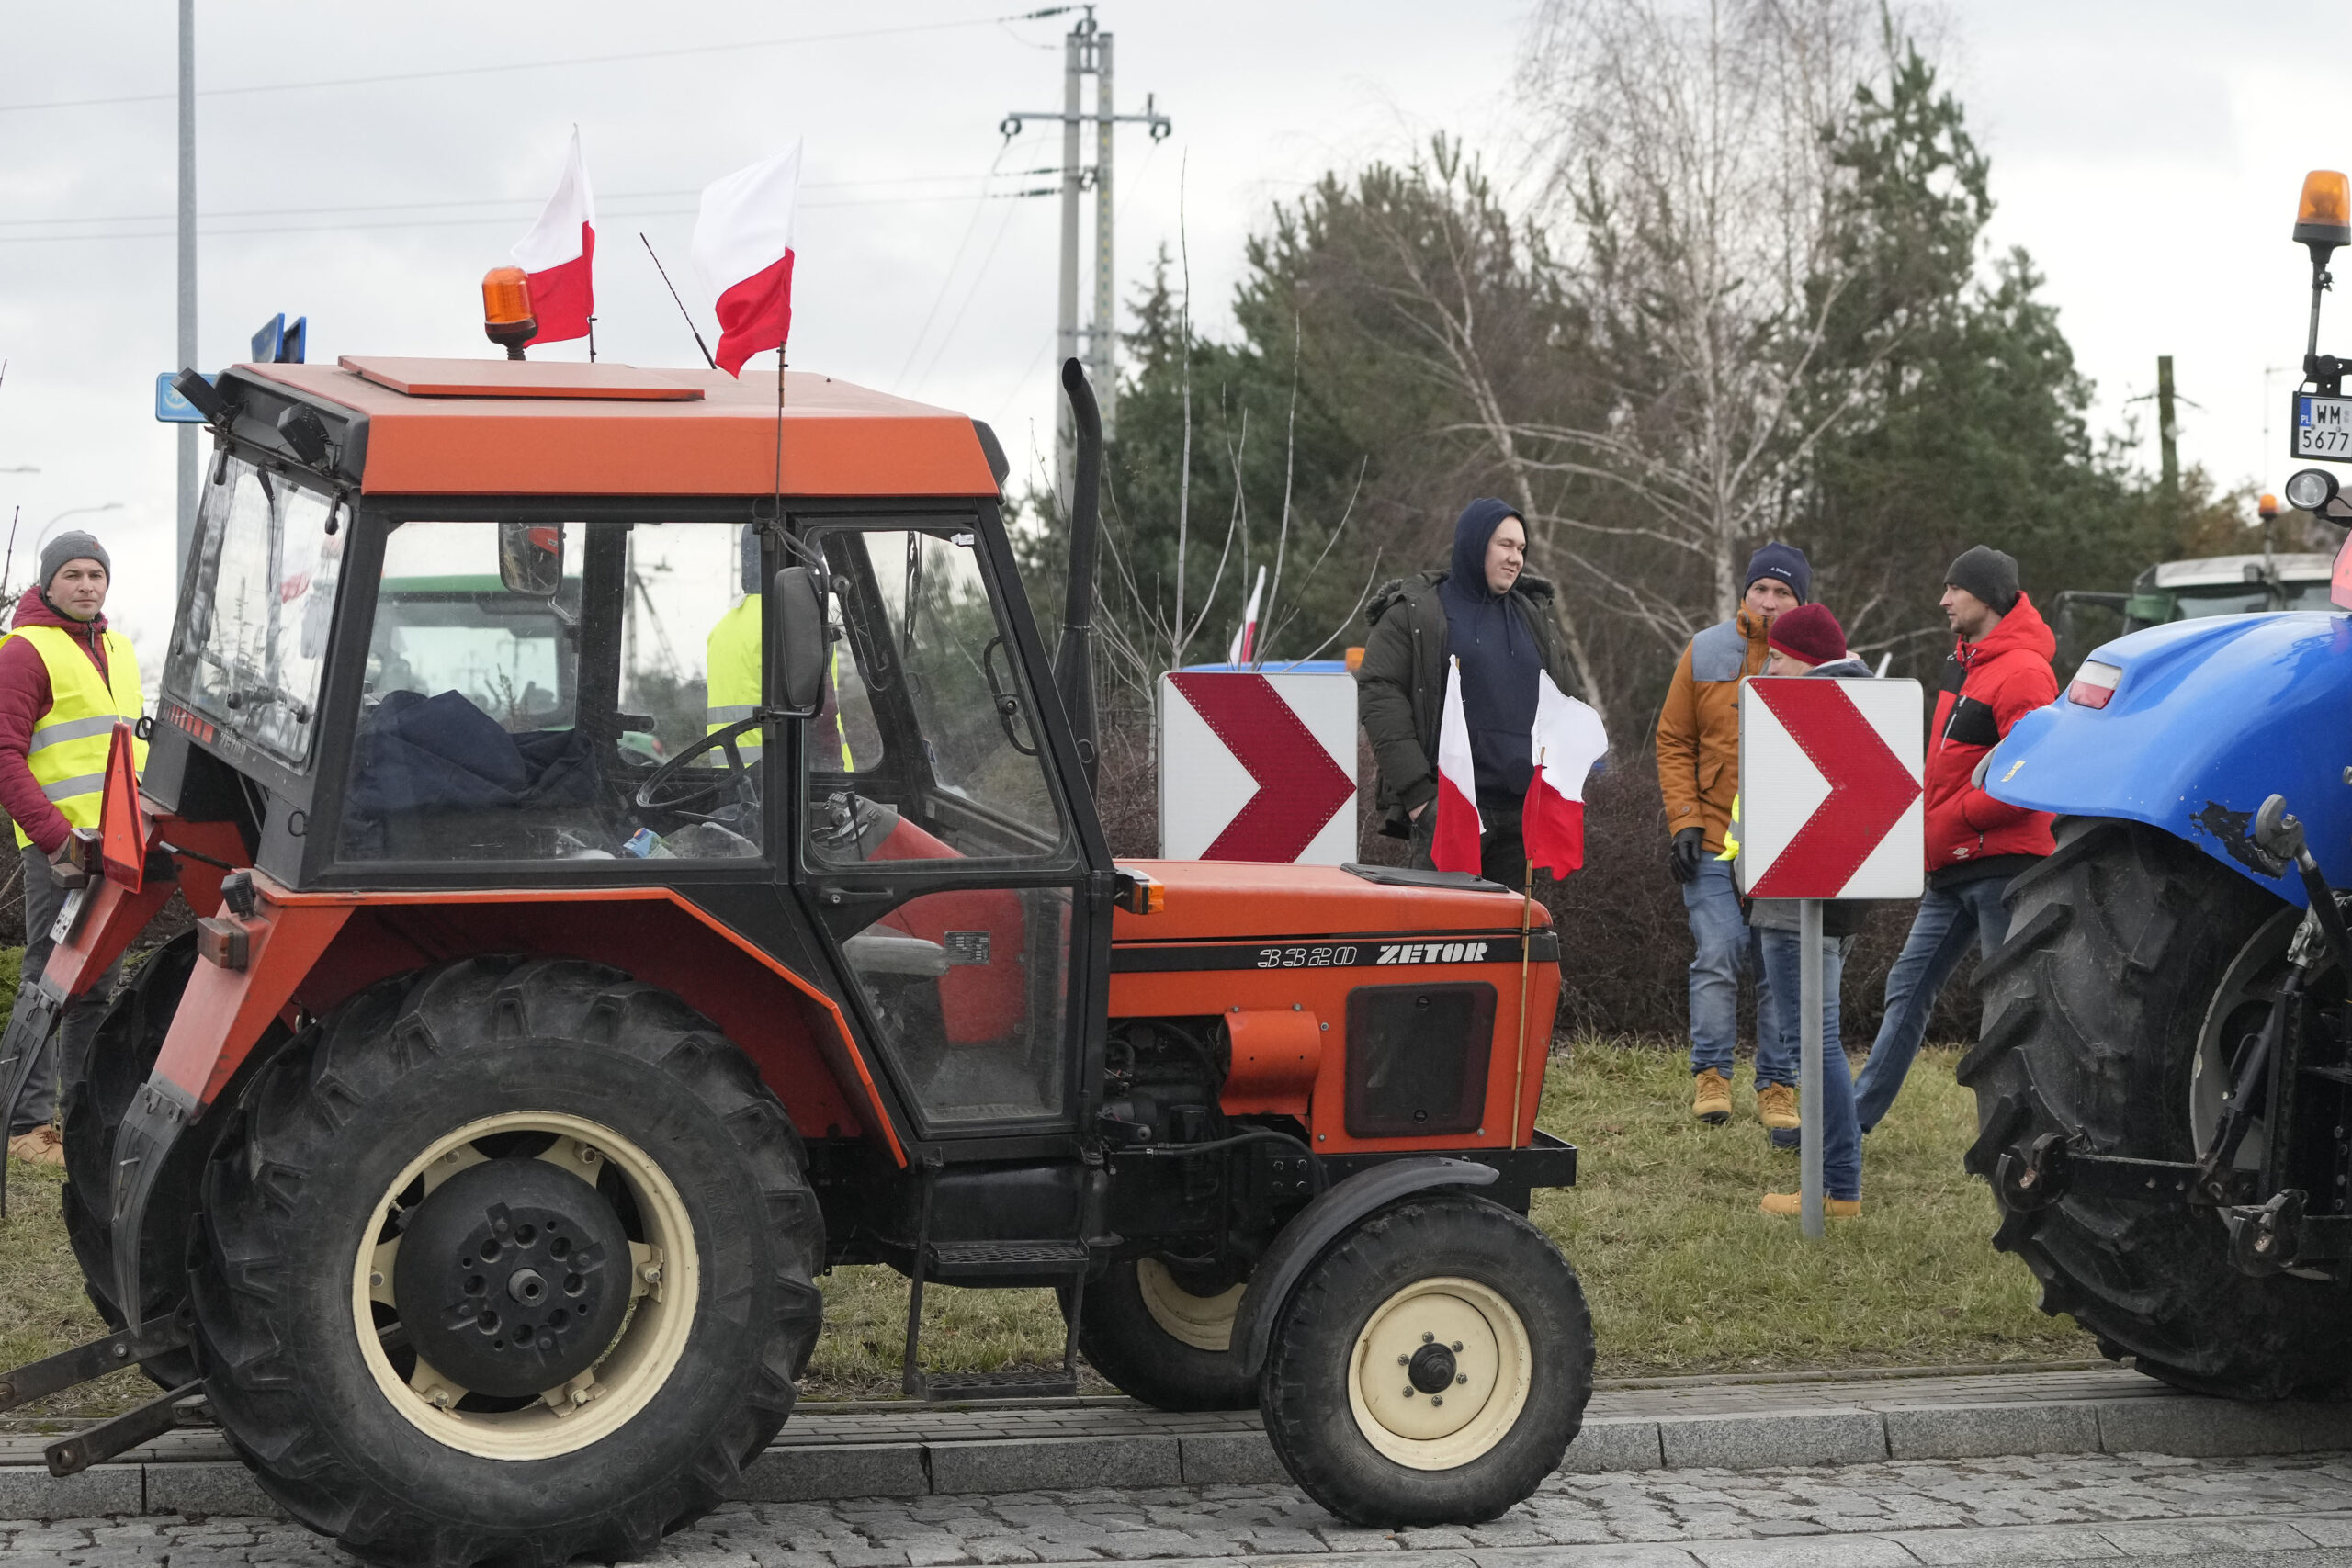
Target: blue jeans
x,y
1726,947
1948,920
1841,1135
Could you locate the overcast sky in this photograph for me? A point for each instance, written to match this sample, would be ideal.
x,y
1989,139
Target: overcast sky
x,y
2148,154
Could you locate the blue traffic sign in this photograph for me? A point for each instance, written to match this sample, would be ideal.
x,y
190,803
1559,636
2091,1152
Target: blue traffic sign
x,y
278,343
170,407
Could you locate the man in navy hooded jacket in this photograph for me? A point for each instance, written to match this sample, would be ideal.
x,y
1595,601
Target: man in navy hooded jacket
x,y
1490,612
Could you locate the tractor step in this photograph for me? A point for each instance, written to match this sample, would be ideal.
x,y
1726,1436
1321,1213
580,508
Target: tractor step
x,y
955,1387
1034,1260
54,1375
93,1445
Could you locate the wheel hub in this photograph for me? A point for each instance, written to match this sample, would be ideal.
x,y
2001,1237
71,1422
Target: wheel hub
x,y
512,1277
1431,1368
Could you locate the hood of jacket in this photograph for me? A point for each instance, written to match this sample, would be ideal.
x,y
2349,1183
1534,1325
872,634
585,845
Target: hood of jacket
x,y
1397,589
2022,630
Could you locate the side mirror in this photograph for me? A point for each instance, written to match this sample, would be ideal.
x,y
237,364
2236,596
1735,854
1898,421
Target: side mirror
x,y
530,559
796,608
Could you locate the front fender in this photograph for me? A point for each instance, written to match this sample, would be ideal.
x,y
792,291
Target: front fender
x,y
1327,1217
2209,717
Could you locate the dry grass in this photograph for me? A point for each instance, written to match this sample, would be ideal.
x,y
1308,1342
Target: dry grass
x,y
1684,1274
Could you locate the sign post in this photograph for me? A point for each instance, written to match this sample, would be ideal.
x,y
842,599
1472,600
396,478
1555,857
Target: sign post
x,y
1830,807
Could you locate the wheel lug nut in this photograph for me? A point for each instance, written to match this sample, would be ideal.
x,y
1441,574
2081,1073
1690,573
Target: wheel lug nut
x,y
1404,1360
1462,1377
1457,1346
1428,1339
1437,1398
1409,1391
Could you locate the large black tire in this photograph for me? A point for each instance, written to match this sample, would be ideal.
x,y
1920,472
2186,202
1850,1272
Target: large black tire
x,y
99,1088
2092,1009
370,1102
1404,1275
1175,1358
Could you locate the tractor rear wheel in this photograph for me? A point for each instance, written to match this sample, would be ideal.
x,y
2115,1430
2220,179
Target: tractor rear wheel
x,y
1161,1335
1430,1367
2134,964
507,1261
99,1090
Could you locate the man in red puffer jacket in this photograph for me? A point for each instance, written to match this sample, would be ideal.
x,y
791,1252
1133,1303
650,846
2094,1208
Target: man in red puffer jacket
x,y
1998,672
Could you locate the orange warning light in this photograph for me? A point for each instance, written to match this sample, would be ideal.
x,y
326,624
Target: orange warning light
x,y
2323,216
507,309
2268,507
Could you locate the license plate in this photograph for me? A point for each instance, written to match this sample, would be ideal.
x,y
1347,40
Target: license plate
x,y
2322,428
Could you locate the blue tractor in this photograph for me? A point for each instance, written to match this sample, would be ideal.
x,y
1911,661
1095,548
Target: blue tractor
x,y
2164,1081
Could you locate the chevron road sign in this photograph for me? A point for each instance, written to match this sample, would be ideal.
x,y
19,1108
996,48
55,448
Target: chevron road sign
x,y
1258,764
1829,776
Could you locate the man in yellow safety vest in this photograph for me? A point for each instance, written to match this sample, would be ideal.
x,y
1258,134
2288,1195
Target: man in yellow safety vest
x,y
65,681
731,665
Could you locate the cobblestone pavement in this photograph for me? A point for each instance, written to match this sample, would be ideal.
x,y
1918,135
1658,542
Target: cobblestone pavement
x,y
2043,1511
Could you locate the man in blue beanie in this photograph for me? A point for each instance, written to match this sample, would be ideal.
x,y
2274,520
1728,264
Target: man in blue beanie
x,y
1487,610
1698,773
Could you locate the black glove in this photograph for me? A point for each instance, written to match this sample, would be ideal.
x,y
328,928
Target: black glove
x,y
1690,844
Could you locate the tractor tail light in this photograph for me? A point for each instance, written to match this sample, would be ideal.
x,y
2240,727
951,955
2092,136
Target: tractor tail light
x,y
2094,684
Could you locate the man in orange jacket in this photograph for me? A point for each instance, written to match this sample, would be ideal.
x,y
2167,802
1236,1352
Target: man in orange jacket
x,y
1698,773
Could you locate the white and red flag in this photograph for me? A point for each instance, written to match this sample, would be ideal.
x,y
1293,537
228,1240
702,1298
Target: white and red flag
x,y
1566,741
1245,641
743,246
1459,828
559,256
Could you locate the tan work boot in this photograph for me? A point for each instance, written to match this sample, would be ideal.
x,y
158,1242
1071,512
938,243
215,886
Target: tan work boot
x,y
1776,1107
1792,1203
1710,1097
42,1145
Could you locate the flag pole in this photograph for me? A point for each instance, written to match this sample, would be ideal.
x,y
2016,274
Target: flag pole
x,y
1526,926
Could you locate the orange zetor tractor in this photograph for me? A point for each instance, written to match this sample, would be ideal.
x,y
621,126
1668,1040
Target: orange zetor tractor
x,y
562,1003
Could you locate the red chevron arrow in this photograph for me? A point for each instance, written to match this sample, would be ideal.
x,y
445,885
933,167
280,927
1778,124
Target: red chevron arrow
x,y
1299,787
1868,789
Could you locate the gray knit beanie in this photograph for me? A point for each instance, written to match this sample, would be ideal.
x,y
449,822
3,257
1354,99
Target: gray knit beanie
x,y
1990,574
72,545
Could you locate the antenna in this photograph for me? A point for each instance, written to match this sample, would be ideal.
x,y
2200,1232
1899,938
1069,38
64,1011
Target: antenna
x,y
672,288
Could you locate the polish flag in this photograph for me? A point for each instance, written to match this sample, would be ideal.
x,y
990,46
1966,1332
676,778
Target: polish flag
x,y
1566,741
1245,641
743,246
558,254
1459,829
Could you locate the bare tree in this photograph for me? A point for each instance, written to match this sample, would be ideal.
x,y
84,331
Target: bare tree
x,y
1686,154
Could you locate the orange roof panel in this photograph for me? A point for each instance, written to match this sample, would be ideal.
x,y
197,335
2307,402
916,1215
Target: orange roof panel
x,y
481,427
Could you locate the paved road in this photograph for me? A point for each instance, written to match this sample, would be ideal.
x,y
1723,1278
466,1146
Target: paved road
x,y
2293,1512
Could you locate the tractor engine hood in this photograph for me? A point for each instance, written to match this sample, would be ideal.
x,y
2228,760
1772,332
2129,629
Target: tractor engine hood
x,y
1231,901
2207,719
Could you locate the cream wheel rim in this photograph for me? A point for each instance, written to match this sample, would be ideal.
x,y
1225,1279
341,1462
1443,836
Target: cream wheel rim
x,y
666,1283
1421,1327
1205,1323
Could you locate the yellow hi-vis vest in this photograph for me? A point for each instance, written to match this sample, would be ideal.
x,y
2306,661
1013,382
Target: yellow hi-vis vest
x,y
68,754
732,657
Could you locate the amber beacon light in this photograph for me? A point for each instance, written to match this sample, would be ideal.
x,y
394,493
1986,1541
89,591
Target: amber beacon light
x,y
507,309
2323,216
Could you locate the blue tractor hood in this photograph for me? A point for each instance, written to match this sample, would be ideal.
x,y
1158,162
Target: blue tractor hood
x,y
2209,717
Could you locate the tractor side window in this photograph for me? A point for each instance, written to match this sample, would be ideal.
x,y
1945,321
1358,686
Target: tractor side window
x,y
968,987
541,691
261,600
926,668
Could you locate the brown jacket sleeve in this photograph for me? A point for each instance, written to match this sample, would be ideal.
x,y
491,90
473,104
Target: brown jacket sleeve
x,y
1678,750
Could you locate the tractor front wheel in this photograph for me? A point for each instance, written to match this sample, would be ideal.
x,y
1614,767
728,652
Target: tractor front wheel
x,y
1430,1367
508,1261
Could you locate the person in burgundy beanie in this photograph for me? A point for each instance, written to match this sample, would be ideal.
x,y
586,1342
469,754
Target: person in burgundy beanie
x,y
65,681
1997,672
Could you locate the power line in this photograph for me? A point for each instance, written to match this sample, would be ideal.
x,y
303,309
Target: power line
x,y
480,223
523,202
632,56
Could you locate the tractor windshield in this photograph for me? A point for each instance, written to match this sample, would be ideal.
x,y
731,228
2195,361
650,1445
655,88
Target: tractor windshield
x,y
260,592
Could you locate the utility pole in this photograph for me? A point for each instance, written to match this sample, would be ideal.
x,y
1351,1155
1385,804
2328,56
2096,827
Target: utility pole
x,y
1085,51
188,269
2167,435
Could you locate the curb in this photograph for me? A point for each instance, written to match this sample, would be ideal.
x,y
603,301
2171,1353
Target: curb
x,y
825,1458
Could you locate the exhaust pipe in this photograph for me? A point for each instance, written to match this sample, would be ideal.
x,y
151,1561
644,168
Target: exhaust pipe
x,y
1073,658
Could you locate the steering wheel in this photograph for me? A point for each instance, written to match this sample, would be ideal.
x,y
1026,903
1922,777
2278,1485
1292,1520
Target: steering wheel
x,y
700,800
